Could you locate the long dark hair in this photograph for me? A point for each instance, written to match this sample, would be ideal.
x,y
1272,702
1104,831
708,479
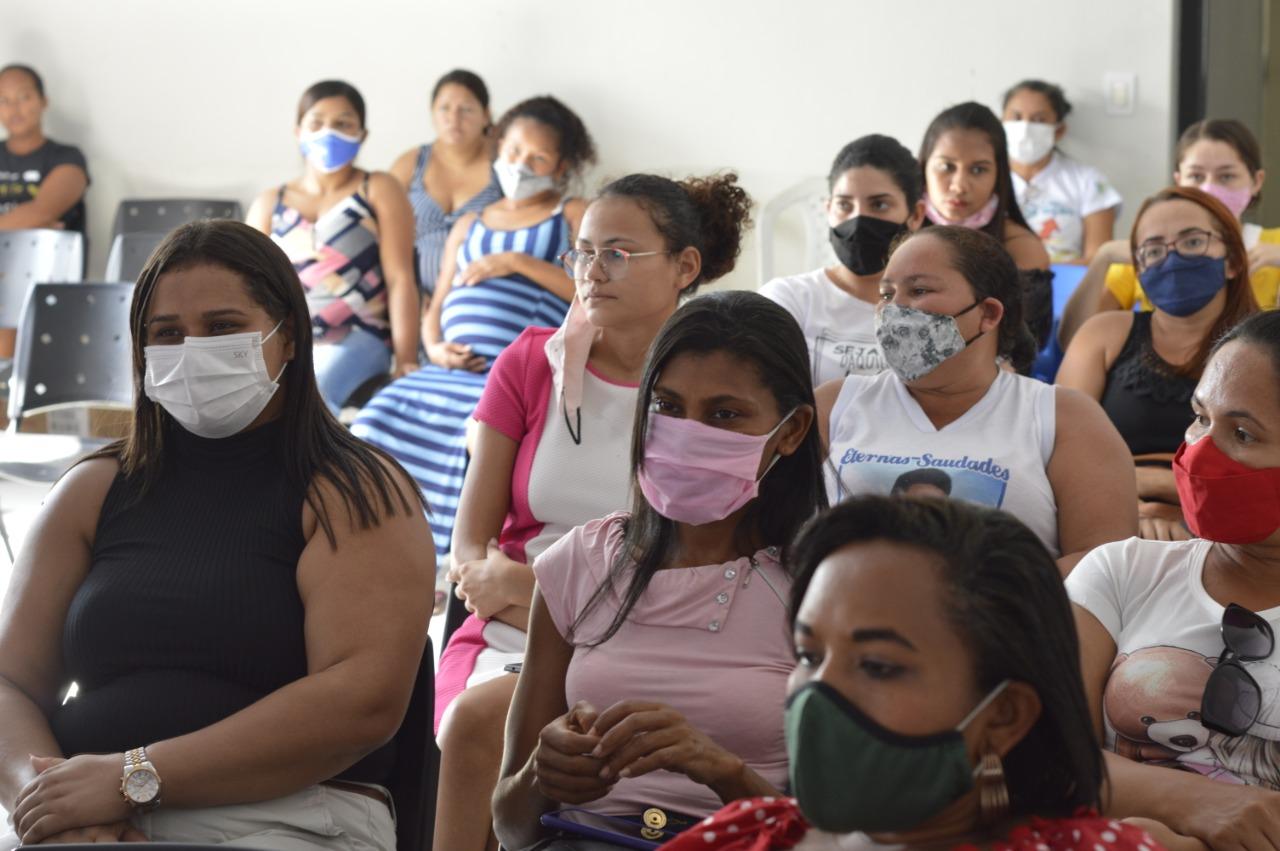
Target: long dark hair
x,y
1006,600
766,338
974,116
316,444
1240,300
982,261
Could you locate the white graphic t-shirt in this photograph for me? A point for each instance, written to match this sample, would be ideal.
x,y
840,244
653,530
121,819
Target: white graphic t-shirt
x,y
882,442
1056,201
1150,596
839,328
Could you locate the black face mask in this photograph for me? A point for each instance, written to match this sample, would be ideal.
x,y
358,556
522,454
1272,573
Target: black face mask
x,y
862,243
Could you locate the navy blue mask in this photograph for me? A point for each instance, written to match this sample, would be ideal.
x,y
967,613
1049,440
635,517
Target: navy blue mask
x,y
1180,285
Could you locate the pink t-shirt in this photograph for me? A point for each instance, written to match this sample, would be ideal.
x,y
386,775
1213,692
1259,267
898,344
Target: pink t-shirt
x,y
712,642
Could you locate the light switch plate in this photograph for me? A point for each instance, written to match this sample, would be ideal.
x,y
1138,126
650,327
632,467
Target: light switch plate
x,y
1119,92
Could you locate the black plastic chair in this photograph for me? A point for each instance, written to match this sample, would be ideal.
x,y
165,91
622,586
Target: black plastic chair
x,y
417,767
129,253
161,215
455,612
73,349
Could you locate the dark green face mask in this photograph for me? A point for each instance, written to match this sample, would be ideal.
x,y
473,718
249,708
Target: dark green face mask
x,y
849,773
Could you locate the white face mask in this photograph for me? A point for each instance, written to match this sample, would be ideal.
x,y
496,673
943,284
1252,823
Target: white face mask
x,y
213,386
519,182
1029,141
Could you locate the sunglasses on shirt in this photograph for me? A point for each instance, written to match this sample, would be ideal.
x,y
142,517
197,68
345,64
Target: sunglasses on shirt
x,y
1232,698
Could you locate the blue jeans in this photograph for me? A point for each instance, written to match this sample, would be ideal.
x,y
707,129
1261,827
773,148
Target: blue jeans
x,y
343,366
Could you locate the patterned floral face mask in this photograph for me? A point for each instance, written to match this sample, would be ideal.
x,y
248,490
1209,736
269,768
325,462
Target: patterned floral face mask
x,y
915,341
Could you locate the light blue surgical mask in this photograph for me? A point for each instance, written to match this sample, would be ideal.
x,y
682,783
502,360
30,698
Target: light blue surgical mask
x,y
328,150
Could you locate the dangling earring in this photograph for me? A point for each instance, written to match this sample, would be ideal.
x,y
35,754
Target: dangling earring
x,y
993,792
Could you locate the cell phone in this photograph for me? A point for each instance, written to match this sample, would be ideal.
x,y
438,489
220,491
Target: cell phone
x,y
619,830
513,667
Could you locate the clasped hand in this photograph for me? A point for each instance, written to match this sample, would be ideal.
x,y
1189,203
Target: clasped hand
x,y
490,584
581,754
74,800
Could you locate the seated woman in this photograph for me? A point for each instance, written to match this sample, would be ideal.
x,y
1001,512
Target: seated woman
x,y
1143,367
452,176
1218,156
349,235
950,308
1070,206
658,652
552,449
968,182
239,588
935,701
1178,637
875,198
42,182
501,273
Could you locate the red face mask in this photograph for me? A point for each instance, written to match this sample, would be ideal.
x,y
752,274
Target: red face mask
x,y
1222,499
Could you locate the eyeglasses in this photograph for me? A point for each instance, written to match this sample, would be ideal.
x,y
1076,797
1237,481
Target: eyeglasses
x,y
1193,243
1232,698
577,262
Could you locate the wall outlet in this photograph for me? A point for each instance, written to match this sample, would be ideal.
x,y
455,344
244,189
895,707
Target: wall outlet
x,y
1119,92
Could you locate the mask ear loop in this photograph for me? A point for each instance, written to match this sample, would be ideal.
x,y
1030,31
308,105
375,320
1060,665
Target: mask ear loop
x,y
776,456
275,380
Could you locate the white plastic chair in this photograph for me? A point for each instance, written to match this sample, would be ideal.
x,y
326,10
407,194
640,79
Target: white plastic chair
x,y
810,196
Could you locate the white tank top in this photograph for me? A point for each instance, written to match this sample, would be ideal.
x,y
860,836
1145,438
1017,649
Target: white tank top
x,y
571,483
995,454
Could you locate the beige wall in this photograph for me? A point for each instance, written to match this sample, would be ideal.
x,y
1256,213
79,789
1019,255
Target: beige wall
x,y
178,97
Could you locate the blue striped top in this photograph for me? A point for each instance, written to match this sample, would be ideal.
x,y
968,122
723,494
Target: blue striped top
x,y
433,224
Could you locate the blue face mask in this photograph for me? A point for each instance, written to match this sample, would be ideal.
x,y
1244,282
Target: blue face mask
x,y
1180,286
329,150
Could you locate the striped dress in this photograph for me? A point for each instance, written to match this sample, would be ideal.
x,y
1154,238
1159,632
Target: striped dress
x,y
421,419
338,261
433,224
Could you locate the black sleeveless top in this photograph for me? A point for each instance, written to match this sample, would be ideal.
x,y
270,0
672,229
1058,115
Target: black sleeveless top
x,y
1149,403
190,611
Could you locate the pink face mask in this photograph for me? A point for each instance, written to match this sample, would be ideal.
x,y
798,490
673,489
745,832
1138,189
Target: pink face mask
x,y
695,473
980,219
1236,200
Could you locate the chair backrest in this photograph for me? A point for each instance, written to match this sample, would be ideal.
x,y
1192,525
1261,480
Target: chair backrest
x,y
28,256
148,215
129,253
810,196
417,766
73,348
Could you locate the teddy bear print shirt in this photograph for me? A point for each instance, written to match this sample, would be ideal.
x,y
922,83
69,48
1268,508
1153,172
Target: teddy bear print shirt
x,y
1150,596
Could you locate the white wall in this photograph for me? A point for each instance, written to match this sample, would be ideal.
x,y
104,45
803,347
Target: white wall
x,y
197,98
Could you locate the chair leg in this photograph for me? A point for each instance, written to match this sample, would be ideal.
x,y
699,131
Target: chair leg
x,y
4,536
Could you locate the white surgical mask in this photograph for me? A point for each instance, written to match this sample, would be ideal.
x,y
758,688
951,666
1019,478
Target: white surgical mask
x,y
519,182
1029,141
213,386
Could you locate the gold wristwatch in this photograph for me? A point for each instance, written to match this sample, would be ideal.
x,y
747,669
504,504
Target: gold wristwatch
x,y
140,783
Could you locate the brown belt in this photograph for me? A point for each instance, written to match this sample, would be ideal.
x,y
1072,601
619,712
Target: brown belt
x,y
360,789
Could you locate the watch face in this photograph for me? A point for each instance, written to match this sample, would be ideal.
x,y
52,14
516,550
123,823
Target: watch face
x,y
142,786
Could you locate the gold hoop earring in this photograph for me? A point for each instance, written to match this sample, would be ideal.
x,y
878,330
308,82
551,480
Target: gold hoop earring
x,y
993,792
